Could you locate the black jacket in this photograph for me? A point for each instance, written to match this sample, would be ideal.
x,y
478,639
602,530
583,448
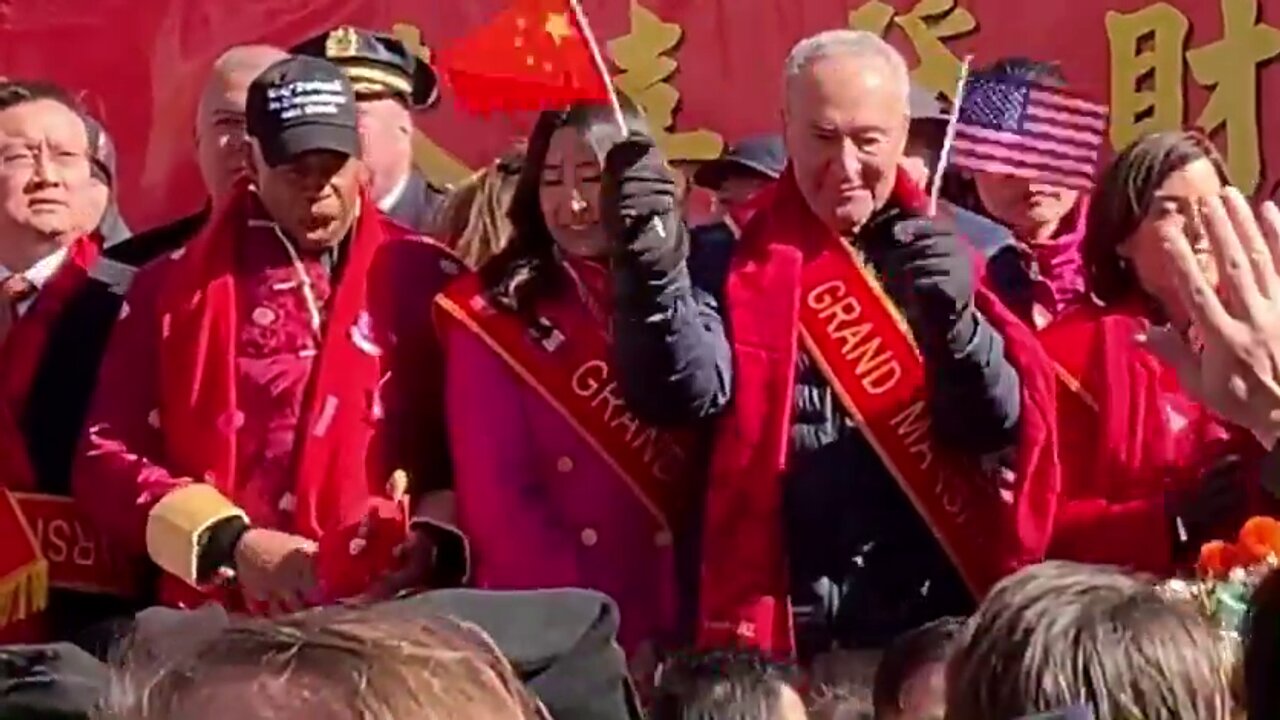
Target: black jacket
x,y
864,565
156,242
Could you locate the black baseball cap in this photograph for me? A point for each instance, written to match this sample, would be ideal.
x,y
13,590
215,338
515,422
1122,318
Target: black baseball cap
x,y
300,104
764,155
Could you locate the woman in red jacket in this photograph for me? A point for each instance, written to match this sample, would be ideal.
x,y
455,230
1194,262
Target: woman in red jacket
x,y
1147,472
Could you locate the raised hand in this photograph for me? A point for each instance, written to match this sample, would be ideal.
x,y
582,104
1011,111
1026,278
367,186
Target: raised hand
x,y
1237,371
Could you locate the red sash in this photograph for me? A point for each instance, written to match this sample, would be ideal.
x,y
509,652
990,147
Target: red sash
x,y
24,575
858,339
78,556
571,369
792,278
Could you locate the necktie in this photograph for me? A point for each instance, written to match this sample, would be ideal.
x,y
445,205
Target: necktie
x,y
13,291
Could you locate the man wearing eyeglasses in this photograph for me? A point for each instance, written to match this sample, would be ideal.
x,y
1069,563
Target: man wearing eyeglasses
x,y
58,301
222,149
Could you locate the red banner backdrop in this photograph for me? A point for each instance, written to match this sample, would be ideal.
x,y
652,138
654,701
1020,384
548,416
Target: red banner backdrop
x,y
706,71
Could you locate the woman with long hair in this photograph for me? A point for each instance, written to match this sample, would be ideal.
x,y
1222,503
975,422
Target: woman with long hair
x,y
557,482
474,219
1148,474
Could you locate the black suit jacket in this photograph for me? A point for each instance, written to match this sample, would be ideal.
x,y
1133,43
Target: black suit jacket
x,y
156,242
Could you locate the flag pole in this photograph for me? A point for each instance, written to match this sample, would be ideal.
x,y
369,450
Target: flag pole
x,y
935,189
580,17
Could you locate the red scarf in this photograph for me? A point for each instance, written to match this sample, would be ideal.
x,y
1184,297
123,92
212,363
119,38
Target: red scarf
x,y
744,566
1114,409
22,353
198,373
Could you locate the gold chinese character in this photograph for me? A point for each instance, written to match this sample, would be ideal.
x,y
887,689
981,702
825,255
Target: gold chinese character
x,y
433,161
642,54
926,26
1146,71
1230,67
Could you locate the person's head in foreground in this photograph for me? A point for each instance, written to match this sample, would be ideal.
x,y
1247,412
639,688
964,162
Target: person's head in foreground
x,y
222,145
44,172
330,664
301,115
725,685
1060,634
1157,182
911,681
1035,211
845,116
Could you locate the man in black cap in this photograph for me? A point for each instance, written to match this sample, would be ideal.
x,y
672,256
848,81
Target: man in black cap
x,y
744,170
390,82
318,381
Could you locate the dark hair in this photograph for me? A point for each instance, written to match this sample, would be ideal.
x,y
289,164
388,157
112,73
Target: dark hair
x,y
20,92
720,685
1262,650
526,270
1024,68
1059,634
928,644
1123,198
959,187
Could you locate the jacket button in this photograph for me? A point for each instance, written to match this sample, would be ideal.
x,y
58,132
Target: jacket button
x,y
662,539
589,537
263,316
564,464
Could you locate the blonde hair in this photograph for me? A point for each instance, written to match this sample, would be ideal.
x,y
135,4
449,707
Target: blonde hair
x,y
361,665
474,218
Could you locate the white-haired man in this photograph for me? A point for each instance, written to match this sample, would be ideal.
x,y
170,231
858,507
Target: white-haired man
x,y
222,149
881,449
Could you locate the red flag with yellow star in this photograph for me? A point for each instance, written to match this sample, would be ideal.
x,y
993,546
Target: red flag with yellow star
x,y
533,56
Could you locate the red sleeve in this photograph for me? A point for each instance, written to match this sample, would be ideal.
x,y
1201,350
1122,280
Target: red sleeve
x,y
118,475
1132,534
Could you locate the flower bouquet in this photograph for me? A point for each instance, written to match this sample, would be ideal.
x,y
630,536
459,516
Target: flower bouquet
x,y
1228,572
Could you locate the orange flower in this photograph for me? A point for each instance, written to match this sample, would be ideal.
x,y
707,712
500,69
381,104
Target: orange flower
x,y
1217,558
1260,539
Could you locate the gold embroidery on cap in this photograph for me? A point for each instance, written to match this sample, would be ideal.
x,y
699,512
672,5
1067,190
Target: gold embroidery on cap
x,y
342,42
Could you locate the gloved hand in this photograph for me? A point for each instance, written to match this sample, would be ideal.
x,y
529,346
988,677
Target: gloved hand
x,y
637,186
1211,508
929,271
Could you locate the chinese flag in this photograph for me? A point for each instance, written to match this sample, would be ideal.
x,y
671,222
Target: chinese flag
x,y
531,57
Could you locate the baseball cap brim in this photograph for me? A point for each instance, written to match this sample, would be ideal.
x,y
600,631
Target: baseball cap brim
x,y
714,173
295,141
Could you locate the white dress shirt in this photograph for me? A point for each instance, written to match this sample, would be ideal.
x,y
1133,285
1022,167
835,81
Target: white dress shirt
x,y
389,201
38,274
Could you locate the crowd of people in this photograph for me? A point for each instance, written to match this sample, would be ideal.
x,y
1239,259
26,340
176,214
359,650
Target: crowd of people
x,y
562,442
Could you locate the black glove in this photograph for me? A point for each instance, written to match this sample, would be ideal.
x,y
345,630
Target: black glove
x,y
636,187
1211,508
930,273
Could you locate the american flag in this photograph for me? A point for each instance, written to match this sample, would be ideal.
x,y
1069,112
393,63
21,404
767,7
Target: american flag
x,y
1012,126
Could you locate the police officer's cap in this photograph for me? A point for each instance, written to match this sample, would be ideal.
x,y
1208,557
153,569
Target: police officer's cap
x,y
377,64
